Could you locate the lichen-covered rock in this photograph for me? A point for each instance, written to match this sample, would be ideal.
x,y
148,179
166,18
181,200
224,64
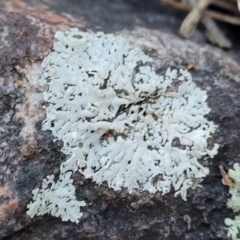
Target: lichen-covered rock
x,y
110,214
119,121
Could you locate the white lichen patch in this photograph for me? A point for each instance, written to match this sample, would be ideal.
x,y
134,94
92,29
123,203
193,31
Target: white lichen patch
x,y
234,203
57,198
119,121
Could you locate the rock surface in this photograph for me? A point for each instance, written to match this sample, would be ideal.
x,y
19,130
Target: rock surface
x,y
27,154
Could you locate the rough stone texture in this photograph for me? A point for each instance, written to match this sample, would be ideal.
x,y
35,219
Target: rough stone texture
x,y
27,154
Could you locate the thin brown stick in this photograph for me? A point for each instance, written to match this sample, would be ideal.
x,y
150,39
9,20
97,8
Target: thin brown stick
x,y
209,13
179,5
189,23
225,5
223,17
215,33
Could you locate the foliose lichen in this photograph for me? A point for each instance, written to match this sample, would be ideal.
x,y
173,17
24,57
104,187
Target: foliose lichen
x,y
234,202
119,121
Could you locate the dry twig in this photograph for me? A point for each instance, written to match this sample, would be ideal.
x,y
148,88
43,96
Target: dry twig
x,y
215,33
195,15
209,13
198,11
225,5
